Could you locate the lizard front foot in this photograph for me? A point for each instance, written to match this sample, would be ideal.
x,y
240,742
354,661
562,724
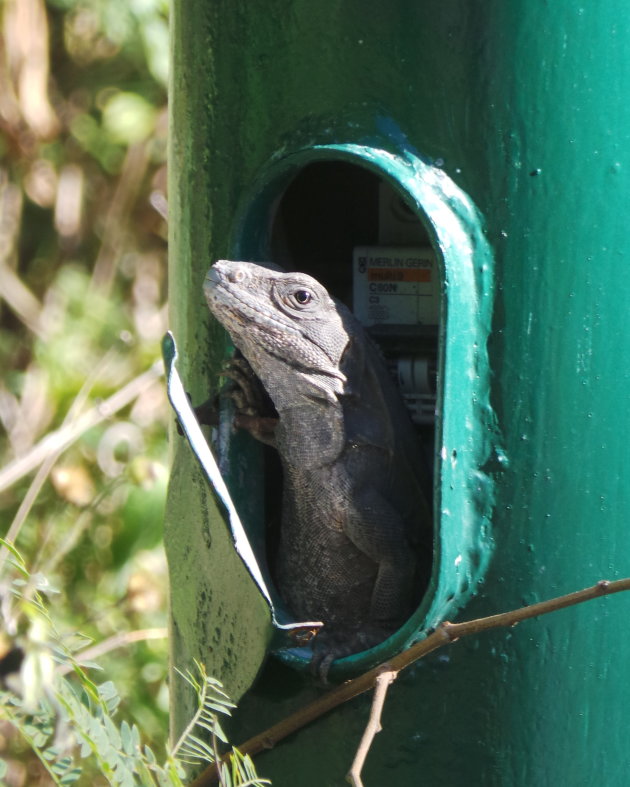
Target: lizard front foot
x,y
254,409
245,389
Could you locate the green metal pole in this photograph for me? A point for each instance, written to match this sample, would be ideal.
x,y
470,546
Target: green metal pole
x,y
524,107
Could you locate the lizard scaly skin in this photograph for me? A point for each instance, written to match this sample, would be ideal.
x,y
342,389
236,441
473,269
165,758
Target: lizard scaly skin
x,y
355,542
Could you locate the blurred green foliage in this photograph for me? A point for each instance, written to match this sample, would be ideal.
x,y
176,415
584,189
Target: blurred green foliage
x,y
71,725
82,311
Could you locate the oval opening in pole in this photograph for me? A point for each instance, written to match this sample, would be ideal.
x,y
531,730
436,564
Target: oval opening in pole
x,y
322,210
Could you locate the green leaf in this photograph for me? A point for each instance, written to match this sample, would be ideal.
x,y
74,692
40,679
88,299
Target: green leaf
x,y
12,549
127,739
71,776
112,732
149,756
108,693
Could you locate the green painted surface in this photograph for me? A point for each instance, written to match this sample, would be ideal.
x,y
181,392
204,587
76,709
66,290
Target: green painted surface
x,y
466,435
525,103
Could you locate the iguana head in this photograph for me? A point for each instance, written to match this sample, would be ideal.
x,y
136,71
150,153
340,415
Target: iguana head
x,y
277,318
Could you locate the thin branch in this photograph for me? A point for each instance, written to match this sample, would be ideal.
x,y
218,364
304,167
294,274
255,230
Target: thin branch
x,y
202,693
217,757
72,536
383,682
63,437
112,643
20,299
133,170
443,635
49,462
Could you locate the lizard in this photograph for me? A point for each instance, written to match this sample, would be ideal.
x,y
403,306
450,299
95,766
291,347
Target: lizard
x,y
355,535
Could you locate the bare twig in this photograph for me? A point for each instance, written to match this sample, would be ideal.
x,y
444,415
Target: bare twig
x,y
113,643
133,170
17,295
443,635
71,537
66,435
49,461
56,442
12,289
27,42
383,682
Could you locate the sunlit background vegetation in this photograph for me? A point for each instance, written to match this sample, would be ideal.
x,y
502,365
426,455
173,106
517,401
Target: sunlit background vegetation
x,y
82,311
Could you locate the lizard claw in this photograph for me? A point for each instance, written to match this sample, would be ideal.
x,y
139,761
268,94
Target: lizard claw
x,y
320,666
245,389
254,409
261,428
336,643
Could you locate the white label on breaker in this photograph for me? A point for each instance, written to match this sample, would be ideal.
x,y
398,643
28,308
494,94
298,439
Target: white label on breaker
x,y
396,286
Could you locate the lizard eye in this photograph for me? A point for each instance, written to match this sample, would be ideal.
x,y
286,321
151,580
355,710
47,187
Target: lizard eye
x,y
303,297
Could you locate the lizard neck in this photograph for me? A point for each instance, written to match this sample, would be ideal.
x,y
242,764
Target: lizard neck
x,y
291,385
310,434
